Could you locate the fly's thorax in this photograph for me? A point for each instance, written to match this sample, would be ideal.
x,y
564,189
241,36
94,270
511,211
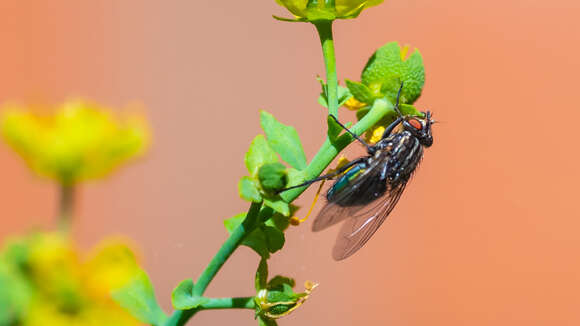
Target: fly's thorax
x,y
404,157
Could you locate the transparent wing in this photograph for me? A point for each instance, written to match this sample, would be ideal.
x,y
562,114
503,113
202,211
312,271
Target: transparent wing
x,y
356,231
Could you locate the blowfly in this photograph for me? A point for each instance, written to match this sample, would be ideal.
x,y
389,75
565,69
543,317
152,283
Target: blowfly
x,y
367,189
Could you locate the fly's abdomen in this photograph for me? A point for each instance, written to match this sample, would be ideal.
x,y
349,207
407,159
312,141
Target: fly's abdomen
x,y
344,180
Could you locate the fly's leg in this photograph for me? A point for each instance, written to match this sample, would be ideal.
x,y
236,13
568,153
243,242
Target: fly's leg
x,y
370,149
391,127
329,175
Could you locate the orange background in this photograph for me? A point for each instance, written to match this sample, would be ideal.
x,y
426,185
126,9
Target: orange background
x,y
487,232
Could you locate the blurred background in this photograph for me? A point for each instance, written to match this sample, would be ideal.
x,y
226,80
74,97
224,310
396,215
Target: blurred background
x,y
486,233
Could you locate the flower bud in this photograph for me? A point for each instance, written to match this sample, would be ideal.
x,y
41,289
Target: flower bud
x,y
313,10
273,177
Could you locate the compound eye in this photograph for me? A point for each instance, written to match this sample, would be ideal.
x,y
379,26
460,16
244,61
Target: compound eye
x,y
416,124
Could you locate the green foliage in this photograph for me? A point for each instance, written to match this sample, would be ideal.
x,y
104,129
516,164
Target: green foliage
x,y
272,177
343,94
261,279
138,297
387,68
182,297
15,294
258,187
284,140
248,190
263,240
360,91
265,321
258,154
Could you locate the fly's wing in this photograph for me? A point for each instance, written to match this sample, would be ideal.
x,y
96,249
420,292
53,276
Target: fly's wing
x,y
345,205
356,231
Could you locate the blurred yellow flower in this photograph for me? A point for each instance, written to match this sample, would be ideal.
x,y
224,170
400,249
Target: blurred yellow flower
x,y
343,9
80,141
65,288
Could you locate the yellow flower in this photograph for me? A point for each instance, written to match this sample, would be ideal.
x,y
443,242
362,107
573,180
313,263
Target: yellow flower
x,y
375,134
343,9
80,141
353,104
67,289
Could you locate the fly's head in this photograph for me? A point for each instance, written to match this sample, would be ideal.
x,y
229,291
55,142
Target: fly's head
x,y
420,128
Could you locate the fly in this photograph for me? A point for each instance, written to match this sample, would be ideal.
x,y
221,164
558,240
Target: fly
x,y
368,188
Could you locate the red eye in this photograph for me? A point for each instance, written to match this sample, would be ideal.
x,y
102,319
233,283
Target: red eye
x,y
416,124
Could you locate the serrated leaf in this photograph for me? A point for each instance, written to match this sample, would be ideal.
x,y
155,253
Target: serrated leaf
x,y
278,205
360,91
387,68
182,297
261,279
138,297
284,140
259,154
248,190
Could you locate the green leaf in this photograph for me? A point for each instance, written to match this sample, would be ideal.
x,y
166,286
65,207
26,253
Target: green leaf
x,y
333,128
263,240
360,91
248,190
265,321
233,222
387,68
15,293
259,154
273,177
278,281
182,297
278,205
138,297
261,279
284,140
280,221
274,238
343,94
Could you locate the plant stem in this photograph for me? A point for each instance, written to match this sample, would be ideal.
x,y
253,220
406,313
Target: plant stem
x,y
180,317
324,29
66,206
229,303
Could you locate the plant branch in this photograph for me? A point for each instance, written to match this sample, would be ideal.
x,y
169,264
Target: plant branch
x,y
252,220
229,303
324,29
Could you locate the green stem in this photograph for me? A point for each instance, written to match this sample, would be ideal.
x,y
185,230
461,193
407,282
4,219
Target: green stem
x,y
66,207
324,29
229,303
252,220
